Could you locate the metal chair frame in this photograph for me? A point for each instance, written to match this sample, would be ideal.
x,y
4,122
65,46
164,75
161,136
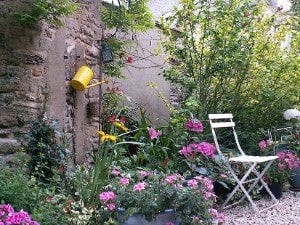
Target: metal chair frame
x,y
226,121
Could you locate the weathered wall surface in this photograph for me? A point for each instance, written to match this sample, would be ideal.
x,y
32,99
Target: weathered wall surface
x,y
36,66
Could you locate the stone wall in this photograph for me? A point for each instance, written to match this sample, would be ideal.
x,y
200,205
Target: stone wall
x,y
36,66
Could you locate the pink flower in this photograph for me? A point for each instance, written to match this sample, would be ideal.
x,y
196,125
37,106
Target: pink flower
x,y
143,174
194,125
153,133
205,149
247,14
209,195
107,196
124,181
18,218
111,206
262,145
281,155
139,186
192,183
115,172
171,179
186,151
169,223
208,184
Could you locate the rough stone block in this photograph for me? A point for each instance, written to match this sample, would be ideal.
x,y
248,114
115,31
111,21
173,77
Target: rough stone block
x,y
9,146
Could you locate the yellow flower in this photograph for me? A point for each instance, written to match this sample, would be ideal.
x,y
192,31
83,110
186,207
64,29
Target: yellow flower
x,y
105,137
121,126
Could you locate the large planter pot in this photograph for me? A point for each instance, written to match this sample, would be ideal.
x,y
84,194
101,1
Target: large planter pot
x,y
294,178
276,189
139,219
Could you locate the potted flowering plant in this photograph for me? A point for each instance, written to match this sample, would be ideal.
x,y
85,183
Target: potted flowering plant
x,y
151,193
279,171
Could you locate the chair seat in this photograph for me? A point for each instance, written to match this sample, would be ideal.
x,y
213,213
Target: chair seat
x,y
253,159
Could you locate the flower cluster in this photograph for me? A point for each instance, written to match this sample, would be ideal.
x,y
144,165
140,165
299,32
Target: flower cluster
x,y
151,192
280,169
194,125
203,148
9,217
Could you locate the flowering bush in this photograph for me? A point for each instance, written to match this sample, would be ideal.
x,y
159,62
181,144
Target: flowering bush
x,y
151,192
9,217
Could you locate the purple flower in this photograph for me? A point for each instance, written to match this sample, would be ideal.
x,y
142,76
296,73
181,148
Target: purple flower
x,y
194,125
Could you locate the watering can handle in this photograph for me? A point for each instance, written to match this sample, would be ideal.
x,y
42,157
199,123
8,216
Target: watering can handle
x,y
97,83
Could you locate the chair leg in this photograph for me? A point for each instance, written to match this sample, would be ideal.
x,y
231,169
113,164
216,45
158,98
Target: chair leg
x,y
260,178
254,182
240,185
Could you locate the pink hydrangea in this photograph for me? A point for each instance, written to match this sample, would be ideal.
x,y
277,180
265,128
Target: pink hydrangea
x,y
205,148
107,196
18,218
153,133
139,186
263,144
169,223
194,125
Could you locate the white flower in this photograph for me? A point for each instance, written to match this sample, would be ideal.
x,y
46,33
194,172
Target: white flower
x,y
291,114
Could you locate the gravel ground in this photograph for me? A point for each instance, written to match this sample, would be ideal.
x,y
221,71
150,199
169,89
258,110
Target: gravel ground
x,y
287,212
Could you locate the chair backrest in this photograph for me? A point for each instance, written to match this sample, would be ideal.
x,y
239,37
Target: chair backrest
x,y
223,121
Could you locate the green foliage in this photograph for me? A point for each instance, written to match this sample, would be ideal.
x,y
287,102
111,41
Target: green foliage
x,y
24,192
52,11
130,15
228,57
47,147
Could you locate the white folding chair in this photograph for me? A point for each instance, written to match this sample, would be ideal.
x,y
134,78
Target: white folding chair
x,y
225,121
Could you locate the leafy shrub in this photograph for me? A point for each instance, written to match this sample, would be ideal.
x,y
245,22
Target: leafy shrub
x,y
47,147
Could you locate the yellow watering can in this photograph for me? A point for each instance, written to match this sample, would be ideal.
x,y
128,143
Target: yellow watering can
x,y
83,77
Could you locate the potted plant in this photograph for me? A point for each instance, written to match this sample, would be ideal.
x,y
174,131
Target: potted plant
x,y
292,142
146,195
279,171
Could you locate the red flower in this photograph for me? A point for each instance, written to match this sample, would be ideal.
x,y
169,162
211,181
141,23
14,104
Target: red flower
x,y
122,119
129,59
112,119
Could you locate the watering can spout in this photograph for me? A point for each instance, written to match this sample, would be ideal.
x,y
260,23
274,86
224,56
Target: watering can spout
x,y
83,77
